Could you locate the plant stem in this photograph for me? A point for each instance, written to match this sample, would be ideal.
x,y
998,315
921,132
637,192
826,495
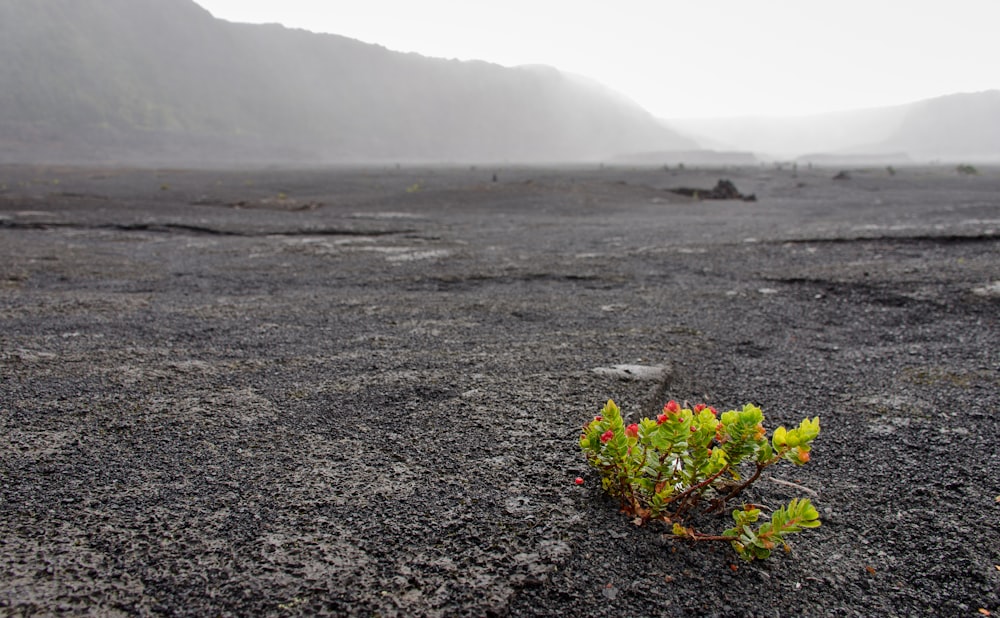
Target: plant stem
x,y
736,490
690,490
698,536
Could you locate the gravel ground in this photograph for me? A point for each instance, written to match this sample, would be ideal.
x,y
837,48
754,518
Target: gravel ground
x,y
359,391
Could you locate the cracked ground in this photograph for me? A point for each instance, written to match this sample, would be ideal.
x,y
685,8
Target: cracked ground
x,y
359,391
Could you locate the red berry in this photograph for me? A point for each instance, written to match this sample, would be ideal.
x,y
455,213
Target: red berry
x,y
578,481
661,419
672,406
632,431
607,436
693,429
700,407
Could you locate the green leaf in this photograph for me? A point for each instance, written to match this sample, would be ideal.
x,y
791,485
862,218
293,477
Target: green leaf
x,y
751,415
610,410
745,516
760,552
779,437
765,453
809,429
792,438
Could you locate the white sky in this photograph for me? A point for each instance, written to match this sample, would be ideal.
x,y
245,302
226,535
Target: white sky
x,y
689,58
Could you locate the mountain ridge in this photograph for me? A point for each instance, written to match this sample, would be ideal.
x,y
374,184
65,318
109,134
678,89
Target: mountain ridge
x,y
165,81
960,126
954,127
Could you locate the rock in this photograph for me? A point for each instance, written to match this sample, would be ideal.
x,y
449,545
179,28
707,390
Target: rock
x,y
724,190
635,372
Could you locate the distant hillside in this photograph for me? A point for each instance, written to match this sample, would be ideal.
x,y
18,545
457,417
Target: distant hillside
x,y
791,136
688,157
960,127
163,81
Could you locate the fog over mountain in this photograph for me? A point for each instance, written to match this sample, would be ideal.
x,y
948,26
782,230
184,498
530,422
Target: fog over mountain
x,y
162,81
959,127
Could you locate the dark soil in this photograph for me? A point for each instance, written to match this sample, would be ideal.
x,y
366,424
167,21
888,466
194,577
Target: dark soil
x,y
359,392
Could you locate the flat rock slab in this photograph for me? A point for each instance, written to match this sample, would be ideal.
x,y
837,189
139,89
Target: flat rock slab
x,y
648,373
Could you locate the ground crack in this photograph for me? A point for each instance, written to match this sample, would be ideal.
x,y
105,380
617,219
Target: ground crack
x,y
200,229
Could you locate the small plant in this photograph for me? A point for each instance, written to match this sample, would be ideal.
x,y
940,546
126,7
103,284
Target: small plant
x,y
967,170
693,461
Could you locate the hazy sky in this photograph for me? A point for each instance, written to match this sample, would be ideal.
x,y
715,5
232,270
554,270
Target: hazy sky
x,y
683,58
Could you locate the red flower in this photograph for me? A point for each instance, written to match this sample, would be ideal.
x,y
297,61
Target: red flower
x,y
632,431
713,411
598,417
607,436
693,429
578,481
672,406
699,407
661,419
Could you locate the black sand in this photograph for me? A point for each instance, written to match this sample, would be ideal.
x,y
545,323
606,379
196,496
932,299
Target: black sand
x,y
359,392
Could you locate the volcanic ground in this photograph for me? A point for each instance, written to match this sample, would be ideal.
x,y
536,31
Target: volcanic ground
x,y
359,391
